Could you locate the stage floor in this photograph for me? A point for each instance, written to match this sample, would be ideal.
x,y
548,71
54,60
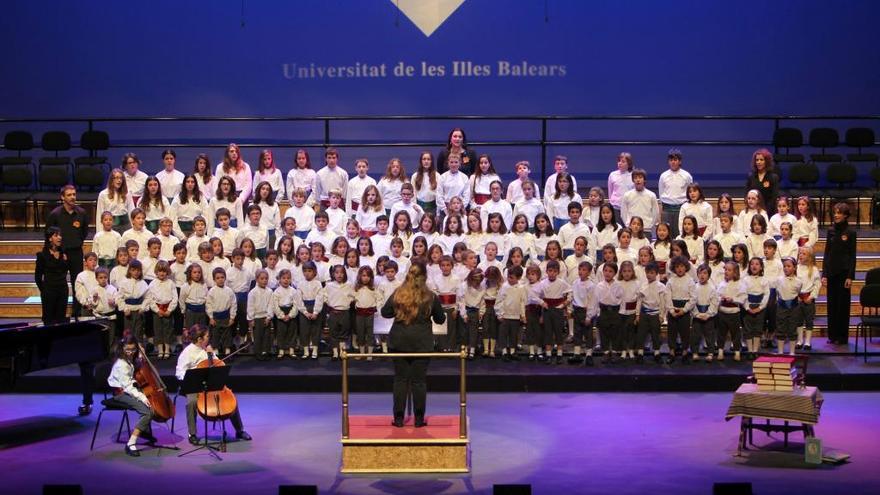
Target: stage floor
x,y
560,443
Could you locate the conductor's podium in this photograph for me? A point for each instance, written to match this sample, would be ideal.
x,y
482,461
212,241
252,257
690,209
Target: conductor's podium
x,y
370,444
374,446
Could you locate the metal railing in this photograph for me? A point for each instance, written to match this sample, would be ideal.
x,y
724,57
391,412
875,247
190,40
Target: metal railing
x,y
543,141
462,355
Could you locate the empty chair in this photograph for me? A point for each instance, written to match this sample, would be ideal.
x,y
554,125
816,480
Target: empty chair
x,y
17,141
93,142
825,138
860,138
90,172
53,171
787,138
869,300
843,176
17,182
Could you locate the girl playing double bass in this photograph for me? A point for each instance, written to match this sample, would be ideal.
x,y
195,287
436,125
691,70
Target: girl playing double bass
x,y
197,351
122,381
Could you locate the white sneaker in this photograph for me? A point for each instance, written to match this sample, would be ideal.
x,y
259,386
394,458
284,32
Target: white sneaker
x,y
736,356
721,354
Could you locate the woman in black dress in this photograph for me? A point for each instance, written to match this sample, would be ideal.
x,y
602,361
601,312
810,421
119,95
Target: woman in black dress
x,y
51,278
457,143
412,306
763,177
838,272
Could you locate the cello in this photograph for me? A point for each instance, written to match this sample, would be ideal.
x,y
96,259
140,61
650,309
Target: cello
x,y
222,404
150,383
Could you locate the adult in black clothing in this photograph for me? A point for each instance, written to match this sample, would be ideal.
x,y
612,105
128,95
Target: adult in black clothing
x,y
71,219
764,179
73,223
838,272
51,278
412,306
457,143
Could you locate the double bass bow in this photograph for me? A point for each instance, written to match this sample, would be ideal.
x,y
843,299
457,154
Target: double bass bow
x,y
150,382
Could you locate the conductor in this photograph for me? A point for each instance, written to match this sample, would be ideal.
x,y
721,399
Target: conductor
x,y
412,306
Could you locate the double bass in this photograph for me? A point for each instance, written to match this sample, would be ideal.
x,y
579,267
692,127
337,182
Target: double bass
x,y
150,383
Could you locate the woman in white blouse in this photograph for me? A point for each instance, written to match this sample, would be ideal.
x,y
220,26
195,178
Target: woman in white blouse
x,y
302,175
235,167
426,183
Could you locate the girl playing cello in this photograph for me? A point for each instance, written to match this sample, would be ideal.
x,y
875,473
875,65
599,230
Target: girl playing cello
x,y
197,351
122,381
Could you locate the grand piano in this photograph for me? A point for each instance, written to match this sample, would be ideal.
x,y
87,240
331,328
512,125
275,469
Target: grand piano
x,y
25,348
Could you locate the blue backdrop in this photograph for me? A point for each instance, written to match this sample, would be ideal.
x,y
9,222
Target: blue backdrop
x,y
232,58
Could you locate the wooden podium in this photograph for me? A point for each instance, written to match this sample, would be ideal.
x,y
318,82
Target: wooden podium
x,y
370,444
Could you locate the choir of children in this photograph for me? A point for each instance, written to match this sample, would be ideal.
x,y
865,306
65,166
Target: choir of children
x,y
514,273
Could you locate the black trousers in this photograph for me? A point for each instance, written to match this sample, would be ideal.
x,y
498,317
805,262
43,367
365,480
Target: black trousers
x,y
410,375
54,301
839,298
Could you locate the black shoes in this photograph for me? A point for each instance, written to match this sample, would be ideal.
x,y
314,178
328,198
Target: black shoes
x,y
132,451
84,410
194,440
588,361
421,422
575,359
149,438
397,422
807,347
559,359
243,435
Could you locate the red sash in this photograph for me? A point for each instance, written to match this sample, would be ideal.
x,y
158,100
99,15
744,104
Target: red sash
x,y
365,311
661,266
163,307
367,233
804,296
481,198
355,205
446,299
325,203
533,308
802,241
490,303
630,306
701,230
554,302
729,304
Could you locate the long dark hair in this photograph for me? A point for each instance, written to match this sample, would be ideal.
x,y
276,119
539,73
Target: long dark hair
x,y
126,339
47,244
196,193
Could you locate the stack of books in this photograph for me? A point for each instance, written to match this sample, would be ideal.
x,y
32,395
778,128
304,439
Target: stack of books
x,y
775,373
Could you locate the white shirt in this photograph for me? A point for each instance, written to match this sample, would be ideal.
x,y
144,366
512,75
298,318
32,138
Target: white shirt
x,y
141,236
745,221
510,303
643,204
243,179
328,179
273,178
702,211
135,183
367,218
569,232
414,210
235,211
501,206
550,186
257,233
618,184
529,208
162,292
230,238
130,288
170,183
336,219
774,228
105,243
355,193
220,299
558,207
122,376
189,358
190,210
84,287
117,206
481,185
326,238
452,185
808,229
673,186
515,192
389,189
425,194
192,246
302,178
284,297
304,217
259,303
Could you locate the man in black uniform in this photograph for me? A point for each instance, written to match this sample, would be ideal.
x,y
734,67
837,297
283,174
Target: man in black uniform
x,y
74,225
